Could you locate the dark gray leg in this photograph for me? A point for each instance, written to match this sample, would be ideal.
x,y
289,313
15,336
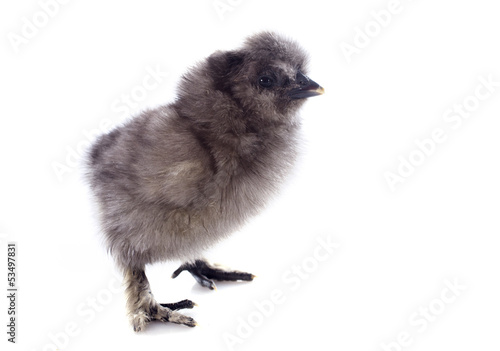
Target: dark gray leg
x,y
204,272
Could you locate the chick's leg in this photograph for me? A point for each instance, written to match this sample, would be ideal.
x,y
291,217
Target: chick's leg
x,y
205,273
143,308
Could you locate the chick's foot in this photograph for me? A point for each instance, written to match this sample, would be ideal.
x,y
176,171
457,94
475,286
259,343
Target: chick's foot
x,y
163,313
205,273
143,308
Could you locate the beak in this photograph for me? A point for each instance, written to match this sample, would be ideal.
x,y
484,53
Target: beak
x,y
307,88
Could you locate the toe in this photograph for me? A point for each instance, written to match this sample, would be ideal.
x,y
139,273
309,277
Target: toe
x,y
139,321
179,271
178,318
204,281
179,305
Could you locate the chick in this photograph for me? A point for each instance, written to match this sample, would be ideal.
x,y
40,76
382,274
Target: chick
x,y
175,180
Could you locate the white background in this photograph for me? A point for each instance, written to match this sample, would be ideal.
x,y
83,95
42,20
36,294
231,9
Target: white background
x,y
396,248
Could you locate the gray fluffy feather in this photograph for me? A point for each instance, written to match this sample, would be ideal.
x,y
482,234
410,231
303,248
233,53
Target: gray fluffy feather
x,y
174,180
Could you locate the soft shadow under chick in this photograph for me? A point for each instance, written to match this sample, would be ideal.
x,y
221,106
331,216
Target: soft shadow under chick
x,y
173,181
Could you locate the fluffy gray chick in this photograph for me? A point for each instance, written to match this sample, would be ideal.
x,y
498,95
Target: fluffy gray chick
x,y
173,181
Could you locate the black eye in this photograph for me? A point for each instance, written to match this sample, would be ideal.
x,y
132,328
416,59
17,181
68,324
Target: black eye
x,y
266,81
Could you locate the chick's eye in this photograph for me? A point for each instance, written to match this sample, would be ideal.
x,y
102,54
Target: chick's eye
x,y
266,81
